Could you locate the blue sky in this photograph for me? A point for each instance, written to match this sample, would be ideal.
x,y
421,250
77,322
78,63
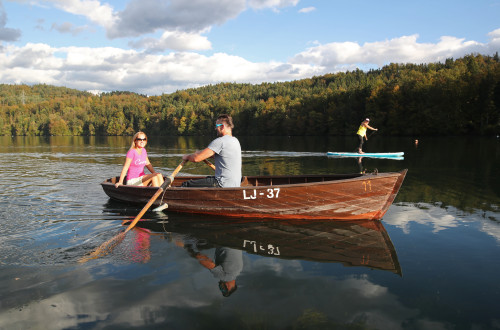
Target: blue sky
x,y
160,46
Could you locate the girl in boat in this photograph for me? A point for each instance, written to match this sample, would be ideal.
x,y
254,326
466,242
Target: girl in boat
x,y
135,161
362,133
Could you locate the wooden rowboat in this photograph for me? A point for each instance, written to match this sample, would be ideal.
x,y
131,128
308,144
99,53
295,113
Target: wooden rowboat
x,y
334,196
353,244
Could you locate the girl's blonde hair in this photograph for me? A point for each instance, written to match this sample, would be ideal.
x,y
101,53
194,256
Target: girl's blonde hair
x,y
135,137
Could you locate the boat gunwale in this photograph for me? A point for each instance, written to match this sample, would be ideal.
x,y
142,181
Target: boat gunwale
x,y
291,185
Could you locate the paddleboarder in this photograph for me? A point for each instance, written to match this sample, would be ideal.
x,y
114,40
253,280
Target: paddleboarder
x,y
362,133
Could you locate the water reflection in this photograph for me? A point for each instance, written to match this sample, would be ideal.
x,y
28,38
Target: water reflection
x,y
226,265
360,165
358,244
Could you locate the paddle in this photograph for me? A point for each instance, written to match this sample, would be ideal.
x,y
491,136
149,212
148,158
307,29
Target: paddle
x,y
367,136
110,244
371,133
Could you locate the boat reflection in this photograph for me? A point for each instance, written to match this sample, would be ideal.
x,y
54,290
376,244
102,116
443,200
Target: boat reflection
x,y
350,243
358,243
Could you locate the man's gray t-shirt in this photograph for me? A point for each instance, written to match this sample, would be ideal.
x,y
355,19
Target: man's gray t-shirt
x,y
228,263
227,160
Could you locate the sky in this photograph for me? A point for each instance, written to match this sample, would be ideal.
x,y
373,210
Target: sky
x,y
154,47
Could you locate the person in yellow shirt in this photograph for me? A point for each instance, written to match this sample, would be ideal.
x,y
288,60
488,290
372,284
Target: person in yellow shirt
x,y
362,133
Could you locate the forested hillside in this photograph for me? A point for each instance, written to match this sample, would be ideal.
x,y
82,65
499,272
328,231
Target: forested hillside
x,y
457,97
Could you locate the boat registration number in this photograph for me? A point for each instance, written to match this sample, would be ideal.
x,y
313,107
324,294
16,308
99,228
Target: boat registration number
x,y
259,247
268,193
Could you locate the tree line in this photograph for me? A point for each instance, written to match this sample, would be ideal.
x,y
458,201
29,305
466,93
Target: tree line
x,y
457,97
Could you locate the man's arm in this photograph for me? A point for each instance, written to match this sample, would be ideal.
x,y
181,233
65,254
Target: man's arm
x,y
199,155
205,261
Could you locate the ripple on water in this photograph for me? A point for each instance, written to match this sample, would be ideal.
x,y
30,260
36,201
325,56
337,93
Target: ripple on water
x,y
52,208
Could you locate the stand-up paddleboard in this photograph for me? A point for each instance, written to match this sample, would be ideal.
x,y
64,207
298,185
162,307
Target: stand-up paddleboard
x,y
394,155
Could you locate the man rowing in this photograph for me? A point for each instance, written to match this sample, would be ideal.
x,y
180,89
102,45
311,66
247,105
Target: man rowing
x,y
226,150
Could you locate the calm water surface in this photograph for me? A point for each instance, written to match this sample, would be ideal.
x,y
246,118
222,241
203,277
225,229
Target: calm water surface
x,y
433,262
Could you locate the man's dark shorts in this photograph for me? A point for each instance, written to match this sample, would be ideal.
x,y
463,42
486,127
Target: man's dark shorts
x,y
209,181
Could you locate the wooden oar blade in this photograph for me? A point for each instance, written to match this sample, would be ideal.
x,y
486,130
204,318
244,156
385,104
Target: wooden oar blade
x,y
105,248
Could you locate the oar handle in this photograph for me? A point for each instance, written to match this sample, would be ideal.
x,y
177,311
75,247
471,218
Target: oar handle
x,y
177,170
209,164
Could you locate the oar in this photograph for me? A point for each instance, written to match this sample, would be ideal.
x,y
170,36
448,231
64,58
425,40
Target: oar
x,y
209,164
164,206
110,244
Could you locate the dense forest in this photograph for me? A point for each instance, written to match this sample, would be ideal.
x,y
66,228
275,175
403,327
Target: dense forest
x,y
457,97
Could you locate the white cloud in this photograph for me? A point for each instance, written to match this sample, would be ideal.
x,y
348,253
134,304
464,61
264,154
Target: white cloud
x,y
181,22
101,14
68,27
146,72
307,10
404,49
109,68
495,34
425,214
179,41
262,4
494,44
491,228
346,300
148,16
441,218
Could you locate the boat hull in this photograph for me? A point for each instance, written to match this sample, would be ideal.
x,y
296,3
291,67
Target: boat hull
x,y
338,197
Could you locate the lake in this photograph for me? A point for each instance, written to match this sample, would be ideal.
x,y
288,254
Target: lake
x,y
433,262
